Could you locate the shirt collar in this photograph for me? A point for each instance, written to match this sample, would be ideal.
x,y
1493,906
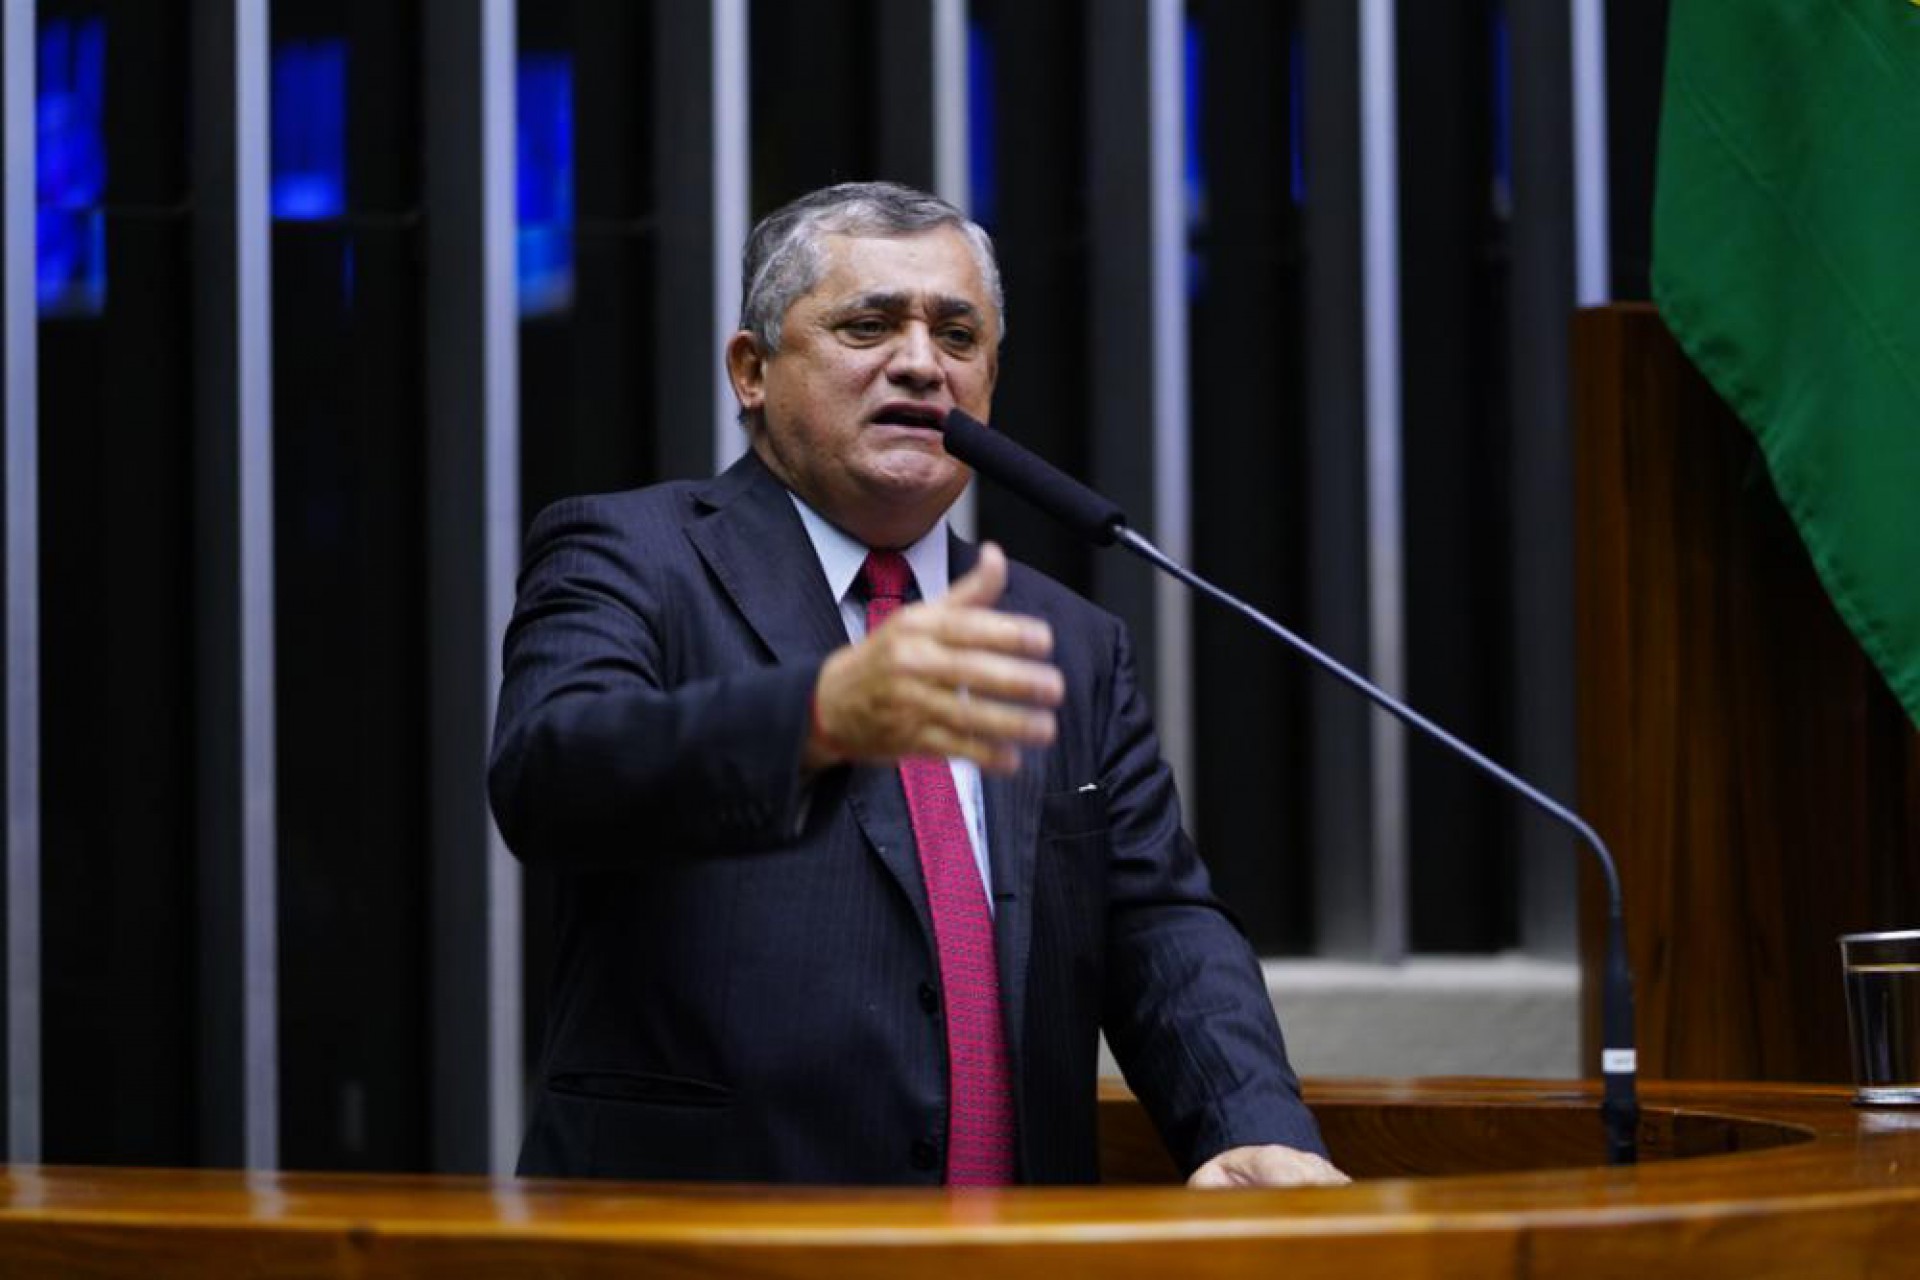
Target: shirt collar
x,y
841,555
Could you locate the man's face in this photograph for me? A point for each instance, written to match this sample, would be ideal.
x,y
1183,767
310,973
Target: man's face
x,y
898,331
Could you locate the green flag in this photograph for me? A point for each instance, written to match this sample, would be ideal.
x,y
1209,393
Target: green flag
x,y
1787,263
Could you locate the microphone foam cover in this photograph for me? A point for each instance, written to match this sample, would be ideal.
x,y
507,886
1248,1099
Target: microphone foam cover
x,y
992,454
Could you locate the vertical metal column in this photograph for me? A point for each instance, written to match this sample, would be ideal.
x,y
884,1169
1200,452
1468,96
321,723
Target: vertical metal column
x,y
22,497
1340,749
952,173
233,346
1592,265
473,531
1540,308
732,198
701,141
1380,277
1138,385
1172,447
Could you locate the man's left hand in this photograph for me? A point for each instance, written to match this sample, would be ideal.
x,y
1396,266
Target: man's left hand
x,y
1268,1166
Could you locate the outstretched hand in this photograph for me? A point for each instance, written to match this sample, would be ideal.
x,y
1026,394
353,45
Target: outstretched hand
x,y
949,677
1266,1166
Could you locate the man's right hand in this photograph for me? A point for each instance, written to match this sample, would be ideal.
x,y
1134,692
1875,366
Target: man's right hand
x,y
950,677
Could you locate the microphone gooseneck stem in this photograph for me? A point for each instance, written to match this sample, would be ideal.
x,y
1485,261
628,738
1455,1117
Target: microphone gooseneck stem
x,y
1620,1108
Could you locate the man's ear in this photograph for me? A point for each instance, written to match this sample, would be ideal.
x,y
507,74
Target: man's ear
x,y
747,370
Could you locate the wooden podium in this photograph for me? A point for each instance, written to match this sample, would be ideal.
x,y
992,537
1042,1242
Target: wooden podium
x,y
1751,771
1458,1178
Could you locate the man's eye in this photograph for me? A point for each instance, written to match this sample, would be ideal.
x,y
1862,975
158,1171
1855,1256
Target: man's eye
x,y
865,328
959,337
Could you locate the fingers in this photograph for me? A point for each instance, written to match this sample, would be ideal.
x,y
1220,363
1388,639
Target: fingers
x,y
1211,1176
961,687
964,627
980,588
926,720
1266,1166
979,673
952,677
989,755
1301,1169
988,720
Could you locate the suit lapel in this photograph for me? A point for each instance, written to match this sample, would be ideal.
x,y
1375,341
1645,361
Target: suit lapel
x,y
879,805
1013,821
753,542
1013,807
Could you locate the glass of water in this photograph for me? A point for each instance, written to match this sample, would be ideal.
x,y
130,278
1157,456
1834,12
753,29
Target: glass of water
x,y
1883,1011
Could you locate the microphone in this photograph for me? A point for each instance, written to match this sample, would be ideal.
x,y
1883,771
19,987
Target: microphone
x,y
1094,517
1101,521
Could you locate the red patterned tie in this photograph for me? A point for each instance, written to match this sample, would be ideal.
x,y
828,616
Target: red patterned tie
x,y
979,1097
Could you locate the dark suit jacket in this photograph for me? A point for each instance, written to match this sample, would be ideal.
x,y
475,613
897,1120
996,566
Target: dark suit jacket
x,y
746,985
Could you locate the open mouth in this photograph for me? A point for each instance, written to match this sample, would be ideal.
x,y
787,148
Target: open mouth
x,y
922,416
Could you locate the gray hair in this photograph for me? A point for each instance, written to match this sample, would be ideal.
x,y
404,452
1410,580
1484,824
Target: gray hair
x,y
783,259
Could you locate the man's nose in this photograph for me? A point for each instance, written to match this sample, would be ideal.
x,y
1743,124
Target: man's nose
x,y
916,359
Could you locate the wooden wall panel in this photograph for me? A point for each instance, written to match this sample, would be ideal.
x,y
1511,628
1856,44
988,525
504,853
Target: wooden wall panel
x,y
1750,769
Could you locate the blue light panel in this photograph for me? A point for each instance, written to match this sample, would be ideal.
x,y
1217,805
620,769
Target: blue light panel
x,y
70,177
309,160
1501,113
983,169
544,137
1297,117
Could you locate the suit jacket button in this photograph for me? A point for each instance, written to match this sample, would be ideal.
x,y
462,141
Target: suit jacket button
x,y
924,1154
929,997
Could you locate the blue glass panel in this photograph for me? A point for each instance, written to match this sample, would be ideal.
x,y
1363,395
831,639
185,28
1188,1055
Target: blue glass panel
x,y
1196,171
70,171
1500,113
544,137
309,160
983,176
1297,117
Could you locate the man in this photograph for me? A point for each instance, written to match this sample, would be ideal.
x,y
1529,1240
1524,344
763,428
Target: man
x,y
862,833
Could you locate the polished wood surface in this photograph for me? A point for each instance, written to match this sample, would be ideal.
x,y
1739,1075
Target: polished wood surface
x,y
1757,781
1457,1178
